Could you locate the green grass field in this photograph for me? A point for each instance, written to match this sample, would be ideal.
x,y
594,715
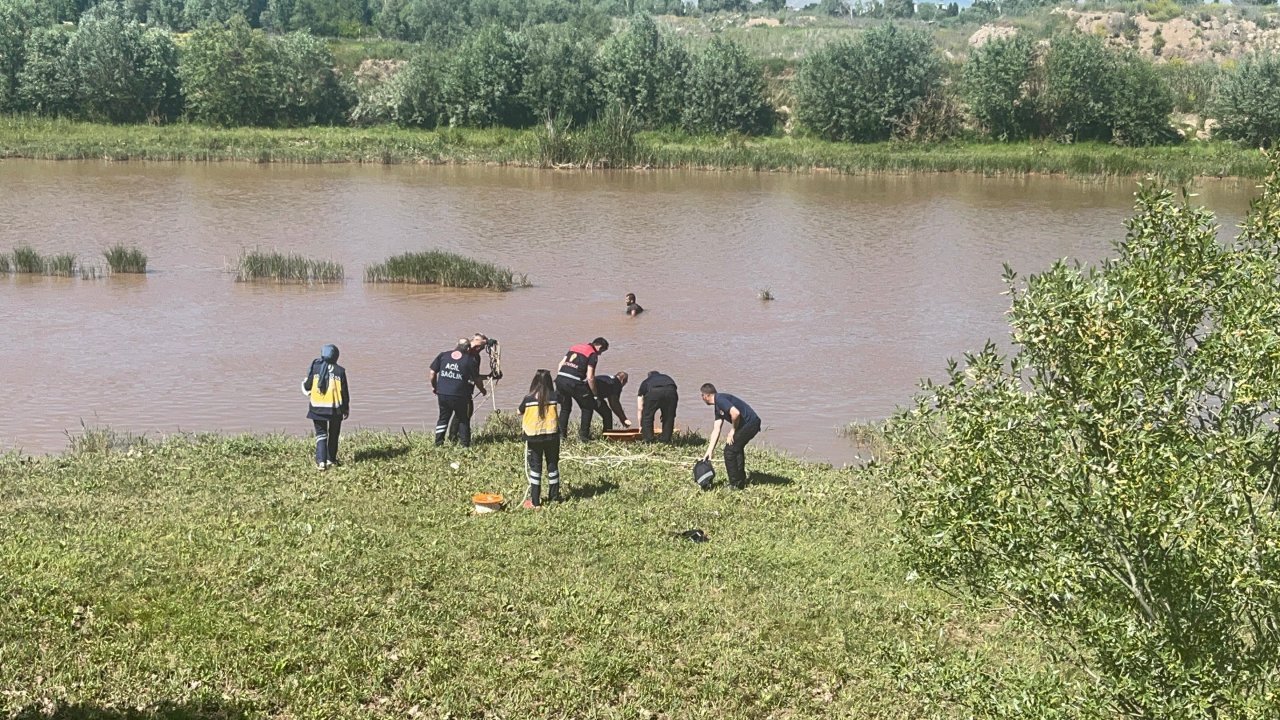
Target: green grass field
x,y
221,577
23,137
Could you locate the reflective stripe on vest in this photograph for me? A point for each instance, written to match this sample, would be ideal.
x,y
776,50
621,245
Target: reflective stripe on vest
x,y
577,370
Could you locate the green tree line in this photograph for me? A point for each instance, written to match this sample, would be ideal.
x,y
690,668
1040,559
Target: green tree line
x,y
886,82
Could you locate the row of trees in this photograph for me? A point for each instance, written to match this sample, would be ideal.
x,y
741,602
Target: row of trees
x,y
886,82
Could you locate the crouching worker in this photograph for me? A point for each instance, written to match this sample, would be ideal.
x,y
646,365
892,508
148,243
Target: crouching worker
x,y
609,399
330,403
744,425
539,418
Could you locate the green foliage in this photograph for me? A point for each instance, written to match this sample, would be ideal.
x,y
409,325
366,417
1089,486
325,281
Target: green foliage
x,y
286,268
410,97
308,88
438,267
332,18
1248,104
559,86
201,13
122,71
122,259
46,84
27,260
711,6
999,85
227,75
610,141
726,92
861,90
15,26
1117,478
643,69
1095,93
1192,84
483,82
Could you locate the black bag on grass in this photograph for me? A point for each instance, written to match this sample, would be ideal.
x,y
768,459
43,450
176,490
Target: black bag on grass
x,y
703,473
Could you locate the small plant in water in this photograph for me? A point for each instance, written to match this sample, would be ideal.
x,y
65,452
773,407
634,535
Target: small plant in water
x,y
126,260
5,265
27,260
765,294
278,267
444,268
91,272
63,265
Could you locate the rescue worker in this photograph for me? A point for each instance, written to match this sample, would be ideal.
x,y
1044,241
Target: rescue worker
x,y
633,307
454,376
475,346
329,401
576,382
744,424
538,419
609,399
657,392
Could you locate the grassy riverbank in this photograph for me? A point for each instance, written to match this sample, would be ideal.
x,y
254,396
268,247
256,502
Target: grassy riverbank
x,y
38,138
224,577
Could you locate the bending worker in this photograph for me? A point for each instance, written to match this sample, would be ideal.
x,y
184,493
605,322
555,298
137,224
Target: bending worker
x,y
576,382
455,374
744,424
609,399
657,392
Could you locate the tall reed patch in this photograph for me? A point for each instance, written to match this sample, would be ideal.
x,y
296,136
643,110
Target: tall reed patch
x,y
5,265
27,260
437,267
62,265
123,259
278,267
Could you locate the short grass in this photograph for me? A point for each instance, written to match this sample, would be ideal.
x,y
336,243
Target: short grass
x,y
438,267
122,259
39,138
224,577
255,265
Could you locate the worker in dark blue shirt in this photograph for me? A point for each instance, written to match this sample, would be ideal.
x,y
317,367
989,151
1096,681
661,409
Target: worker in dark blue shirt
x,y
657,392
455,375
609,399
744,424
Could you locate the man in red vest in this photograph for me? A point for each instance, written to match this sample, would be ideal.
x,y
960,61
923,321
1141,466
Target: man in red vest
x,y
576,382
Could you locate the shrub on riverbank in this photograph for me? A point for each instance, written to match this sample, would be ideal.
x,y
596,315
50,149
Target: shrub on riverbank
x,y
437,267
224,575
279,267
121,259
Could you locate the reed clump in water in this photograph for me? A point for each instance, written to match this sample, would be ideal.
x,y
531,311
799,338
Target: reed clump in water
x,y
5,265
62,265
27,260
437,267
121,259
279,267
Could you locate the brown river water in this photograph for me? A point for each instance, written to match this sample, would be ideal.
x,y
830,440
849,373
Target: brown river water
x,y
878,280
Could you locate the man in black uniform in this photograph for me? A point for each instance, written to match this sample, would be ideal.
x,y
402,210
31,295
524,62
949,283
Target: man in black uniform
x,y
657,392
609,399
576,382
455,374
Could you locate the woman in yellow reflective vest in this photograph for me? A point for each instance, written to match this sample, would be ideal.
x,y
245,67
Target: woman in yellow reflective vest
x,y
330,403
539,419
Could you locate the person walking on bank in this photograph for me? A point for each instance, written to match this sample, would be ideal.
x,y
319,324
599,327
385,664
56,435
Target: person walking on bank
x,y
576,382
455,374
539,414
329,400
609,399
744,425
633,307
657,392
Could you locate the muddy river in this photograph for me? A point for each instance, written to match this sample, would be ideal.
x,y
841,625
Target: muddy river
x,y
877,281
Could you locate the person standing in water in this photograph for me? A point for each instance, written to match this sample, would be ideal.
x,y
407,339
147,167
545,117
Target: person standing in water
x,y
330,403
633,307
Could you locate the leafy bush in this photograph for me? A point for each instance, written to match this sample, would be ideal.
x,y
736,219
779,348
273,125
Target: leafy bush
x,y
861,90
15,26
1142,105
308,88
726,92
46,85
122,72
482,84
559,85
1192,84
1095,93
643,70
1248,104
227,76
1000,89
1117,478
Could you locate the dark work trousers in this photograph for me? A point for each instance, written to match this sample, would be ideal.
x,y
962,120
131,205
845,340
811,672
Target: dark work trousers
x,y
454,406
570,391
606,413
535,451
735,459
664,399
453,425
327,431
